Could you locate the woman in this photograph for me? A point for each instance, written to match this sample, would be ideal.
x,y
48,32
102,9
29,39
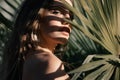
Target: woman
x,y
39,28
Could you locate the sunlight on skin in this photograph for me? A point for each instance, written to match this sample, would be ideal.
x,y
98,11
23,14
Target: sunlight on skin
x,y
53,30
43,64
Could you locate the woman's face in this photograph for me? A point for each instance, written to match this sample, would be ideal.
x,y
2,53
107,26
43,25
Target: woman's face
x,y
53,27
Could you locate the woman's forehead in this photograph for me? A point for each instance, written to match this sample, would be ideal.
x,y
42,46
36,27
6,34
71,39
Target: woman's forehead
x,y
69,1
57,3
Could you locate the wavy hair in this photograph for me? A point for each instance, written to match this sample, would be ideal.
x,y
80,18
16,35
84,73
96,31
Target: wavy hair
x,y
24,37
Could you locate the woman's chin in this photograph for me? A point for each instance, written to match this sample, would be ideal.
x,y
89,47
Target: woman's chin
x,y
62,40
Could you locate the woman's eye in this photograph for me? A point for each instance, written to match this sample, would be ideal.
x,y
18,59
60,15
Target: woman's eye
x,y
56,12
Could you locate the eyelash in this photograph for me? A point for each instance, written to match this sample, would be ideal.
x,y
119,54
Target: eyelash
x,y
56,12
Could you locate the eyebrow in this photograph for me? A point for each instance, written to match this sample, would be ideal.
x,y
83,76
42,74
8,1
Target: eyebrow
x,y
57,4
59,7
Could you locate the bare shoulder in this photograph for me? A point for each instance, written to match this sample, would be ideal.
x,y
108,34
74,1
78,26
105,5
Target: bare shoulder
x,y
43,66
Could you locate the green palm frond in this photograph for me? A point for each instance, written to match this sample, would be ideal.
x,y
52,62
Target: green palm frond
x,y
102,68
5,21
8,9
87,44
98,20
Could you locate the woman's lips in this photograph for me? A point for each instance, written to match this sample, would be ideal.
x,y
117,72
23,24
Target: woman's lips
x,y
64,29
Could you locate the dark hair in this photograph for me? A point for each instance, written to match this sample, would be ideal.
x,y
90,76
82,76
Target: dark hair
x,y
21,40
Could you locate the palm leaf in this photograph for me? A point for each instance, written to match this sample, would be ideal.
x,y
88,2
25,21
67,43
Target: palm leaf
x,y
5,21
8,9
98,20
90,65
96,25
117,74
94,75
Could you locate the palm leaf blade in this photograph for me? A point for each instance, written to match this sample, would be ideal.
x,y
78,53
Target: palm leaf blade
x,y
88,66
117,74
108,73
97,73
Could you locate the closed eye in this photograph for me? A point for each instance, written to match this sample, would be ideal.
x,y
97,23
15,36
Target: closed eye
x,y
55,12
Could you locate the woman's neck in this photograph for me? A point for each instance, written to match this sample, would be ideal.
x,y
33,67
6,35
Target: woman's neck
x,y
47,47
47,44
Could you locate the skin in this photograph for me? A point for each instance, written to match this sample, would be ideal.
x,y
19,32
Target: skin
x,y
52,25
43,64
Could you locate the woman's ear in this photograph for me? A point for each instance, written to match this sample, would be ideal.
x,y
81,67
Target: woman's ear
x,y
41,13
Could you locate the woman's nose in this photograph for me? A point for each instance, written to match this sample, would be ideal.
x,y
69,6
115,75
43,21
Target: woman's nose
x,y
65,16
